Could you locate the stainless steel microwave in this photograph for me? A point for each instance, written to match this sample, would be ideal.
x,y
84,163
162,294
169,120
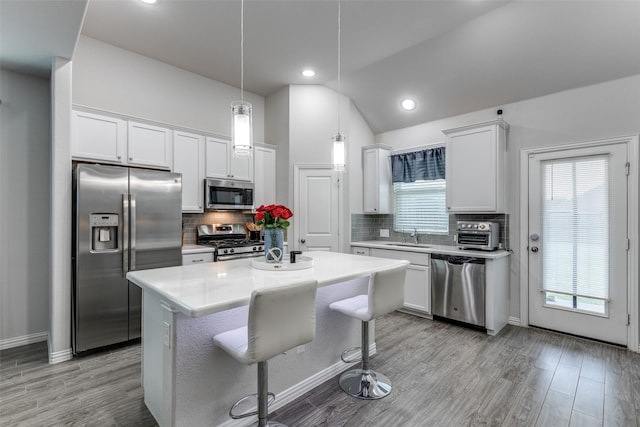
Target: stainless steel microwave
x,y
228,195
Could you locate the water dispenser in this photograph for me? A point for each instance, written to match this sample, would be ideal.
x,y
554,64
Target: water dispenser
x,y
104,232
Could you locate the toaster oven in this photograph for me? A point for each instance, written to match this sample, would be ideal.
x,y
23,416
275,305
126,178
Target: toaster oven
x,y
480,235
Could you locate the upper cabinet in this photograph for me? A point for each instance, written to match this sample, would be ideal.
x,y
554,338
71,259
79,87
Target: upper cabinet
x,y
98,137
264,176
111,139
149,145
188,159
376,180
222,164
475,168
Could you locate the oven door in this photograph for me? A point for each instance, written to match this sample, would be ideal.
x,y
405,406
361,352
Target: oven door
x,y
228,195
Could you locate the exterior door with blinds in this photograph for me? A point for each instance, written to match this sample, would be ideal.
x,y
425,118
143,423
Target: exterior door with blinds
x,y
578,242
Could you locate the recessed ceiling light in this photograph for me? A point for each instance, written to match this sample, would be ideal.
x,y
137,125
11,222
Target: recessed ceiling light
x,y
308,72
148,1
408,104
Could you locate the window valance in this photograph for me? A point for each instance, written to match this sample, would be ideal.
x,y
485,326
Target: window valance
x,y
422,165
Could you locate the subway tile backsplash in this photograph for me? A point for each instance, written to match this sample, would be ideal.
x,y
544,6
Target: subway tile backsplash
x,y
367,227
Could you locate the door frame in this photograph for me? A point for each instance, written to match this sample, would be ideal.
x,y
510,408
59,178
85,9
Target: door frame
x,y
297,168
633,207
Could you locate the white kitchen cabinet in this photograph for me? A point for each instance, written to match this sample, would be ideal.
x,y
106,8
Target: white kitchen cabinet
x,y
417,282
198,258
222,164
105,138
475,168
376,180
149,145
98,137
264,176
188,159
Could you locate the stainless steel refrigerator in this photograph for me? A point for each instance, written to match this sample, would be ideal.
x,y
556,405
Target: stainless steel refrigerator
x,y
124,220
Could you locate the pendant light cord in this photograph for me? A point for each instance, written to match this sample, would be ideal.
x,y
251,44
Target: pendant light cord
x,y
339,83
242,51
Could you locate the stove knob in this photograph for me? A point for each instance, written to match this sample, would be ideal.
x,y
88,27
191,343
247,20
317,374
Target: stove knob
x,y
482,226
475,225
255,248
231,251
225,251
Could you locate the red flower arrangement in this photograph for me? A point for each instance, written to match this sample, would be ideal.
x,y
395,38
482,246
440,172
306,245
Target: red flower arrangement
x,y
273,216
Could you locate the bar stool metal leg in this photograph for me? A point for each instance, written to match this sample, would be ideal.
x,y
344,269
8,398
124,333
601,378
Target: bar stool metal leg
x,y
364,383
263,398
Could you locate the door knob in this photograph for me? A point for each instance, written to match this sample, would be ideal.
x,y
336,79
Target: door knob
x,y
534,249
303,241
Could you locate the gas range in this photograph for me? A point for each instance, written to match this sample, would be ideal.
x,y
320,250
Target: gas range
x,y
230,241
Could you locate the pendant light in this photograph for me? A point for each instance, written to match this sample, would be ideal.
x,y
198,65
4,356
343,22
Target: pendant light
x,y
241,111
339,139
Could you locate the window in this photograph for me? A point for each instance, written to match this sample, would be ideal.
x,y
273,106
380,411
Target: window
x,y
575,215
420,205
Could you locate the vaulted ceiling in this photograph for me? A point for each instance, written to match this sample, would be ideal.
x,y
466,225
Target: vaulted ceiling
x,y
451,56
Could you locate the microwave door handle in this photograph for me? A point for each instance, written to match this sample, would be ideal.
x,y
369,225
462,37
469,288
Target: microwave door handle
x,y
132,204
125,234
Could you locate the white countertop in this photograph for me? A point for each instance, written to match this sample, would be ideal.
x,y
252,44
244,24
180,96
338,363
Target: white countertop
x,y
431,249
201,289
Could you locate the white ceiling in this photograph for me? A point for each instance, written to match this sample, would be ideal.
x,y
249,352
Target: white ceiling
x,y
452,56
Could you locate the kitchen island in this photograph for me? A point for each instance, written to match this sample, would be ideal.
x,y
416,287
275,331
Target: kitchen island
x,y
189,382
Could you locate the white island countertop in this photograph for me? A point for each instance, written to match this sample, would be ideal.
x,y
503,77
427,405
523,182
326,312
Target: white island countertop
x,y
202,289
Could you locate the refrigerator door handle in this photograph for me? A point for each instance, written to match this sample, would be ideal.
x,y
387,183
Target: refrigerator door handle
x,y
132,243
125,234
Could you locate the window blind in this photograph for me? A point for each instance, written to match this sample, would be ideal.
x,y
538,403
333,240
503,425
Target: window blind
x,y
575,231
420,205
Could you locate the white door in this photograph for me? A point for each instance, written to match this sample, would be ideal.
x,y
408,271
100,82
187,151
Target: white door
x,y
317,209
578,241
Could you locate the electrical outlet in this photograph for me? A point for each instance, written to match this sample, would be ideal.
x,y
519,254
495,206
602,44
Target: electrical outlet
x,y
300,349
384,232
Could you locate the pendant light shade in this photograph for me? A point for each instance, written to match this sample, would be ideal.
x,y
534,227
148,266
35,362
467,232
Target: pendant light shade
x,y
241,128
241,112
338,152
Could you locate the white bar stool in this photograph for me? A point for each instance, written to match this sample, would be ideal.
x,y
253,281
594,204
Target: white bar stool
x,y
280,318
385,294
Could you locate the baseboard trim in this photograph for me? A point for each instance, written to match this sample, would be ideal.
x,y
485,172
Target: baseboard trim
x,y
297,390
60,356
23,340
515,321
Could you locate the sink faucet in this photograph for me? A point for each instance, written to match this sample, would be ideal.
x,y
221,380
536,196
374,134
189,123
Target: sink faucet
x,y
414,234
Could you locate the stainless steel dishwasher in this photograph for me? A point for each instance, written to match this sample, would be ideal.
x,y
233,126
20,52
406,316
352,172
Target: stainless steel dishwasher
x,y
458,288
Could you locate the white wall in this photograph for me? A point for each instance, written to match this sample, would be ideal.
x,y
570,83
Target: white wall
x,y
24,208
313,121
112,79
588,113
61,212
277,132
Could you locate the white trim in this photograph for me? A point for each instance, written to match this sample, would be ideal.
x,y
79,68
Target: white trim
x,y
633,218
23,340
292,393
515,321
60,356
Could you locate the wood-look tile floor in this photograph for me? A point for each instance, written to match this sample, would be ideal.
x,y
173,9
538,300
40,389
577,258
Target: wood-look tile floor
x,y
443,375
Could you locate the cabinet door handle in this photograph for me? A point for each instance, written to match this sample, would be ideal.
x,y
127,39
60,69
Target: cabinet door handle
x,y
198,260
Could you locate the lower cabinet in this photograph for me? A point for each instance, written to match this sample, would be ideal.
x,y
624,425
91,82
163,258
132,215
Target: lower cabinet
x,y
417,283
417,288
198,258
